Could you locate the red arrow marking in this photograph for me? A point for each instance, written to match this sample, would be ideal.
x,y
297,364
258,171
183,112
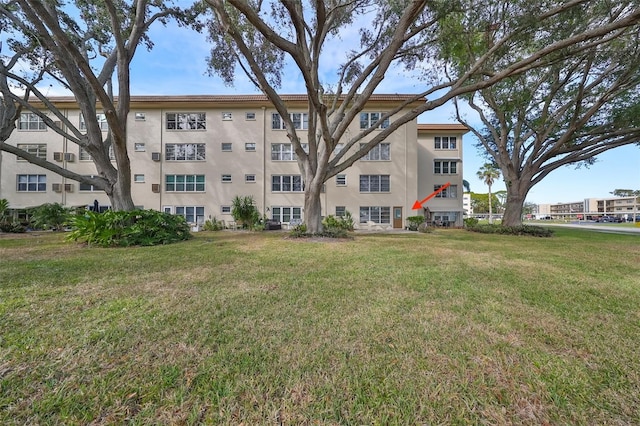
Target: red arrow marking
x,y
418,204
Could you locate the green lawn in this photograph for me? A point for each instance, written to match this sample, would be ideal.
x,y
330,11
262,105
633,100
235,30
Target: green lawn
x,y
255,328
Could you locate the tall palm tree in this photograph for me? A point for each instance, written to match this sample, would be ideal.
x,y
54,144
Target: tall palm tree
x,y
489,172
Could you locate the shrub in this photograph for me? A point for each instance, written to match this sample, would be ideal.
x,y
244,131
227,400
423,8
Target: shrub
x,y
50,216
534,231
299,231
244,211
213,225
424,228
128,228
339,223
415,222
470,222
7,224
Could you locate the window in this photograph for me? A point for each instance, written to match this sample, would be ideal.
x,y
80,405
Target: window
x,y
445,142
32,183
341,180
39,150
368,119
31,121
286,214
185,152
139,147
226,146
285,151
140,116
250,146
445,216
300,120
374,183
225,209
88,187
138,178
380,152
375,214
187,121
450,192
227,116
250,178
226,178
85,156
286,183
341,211
250,116
102,122
184,183
192,214
445,167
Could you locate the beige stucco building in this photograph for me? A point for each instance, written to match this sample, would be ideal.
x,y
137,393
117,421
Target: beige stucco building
x,y
191,155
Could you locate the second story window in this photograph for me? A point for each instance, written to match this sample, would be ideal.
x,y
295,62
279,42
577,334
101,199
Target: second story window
x,y
444,142
184,183
380,152
187,121
375,183
39,150
445,167
286,183
450,192
30,121
185,152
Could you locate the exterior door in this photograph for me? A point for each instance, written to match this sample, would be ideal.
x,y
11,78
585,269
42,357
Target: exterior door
x,y
397,218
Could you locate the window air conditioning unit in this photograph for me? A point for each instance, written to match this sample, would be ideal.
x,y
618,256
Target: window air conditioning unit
x,y
68,156
57,187
68,187
155,187
58,156
155,156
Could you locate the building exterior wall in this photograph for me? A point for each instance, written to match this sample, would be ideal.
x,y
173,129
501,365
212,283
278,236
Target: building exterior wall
x,y
238,153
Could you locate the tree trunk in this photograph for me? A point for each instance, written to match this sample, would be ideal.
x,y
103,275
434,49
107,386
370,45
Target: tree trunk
x,y
120,197
517,192
313,207
490,212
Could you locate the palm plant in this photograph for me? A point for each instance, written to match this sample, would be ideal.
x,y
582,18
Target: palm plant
x,y
489,172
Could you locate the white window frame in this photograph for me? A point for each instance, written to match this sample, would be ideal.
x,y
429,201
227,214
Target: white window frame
x,y
341,180
140,116
250,178
225,209
91,187
31,183
284,214
138,178
380,152
30,121
445,142
450,192
191,212
102,122
139,147
250,146
227,116
186,121
185,183
368,119
444,167
375,183
300,121
185,152
375,214
250,116
226,146
226,178
37,149
294,183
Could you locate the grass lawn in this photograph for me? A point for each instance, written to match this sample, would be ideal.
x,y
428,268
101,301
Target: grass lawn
x,y
254,328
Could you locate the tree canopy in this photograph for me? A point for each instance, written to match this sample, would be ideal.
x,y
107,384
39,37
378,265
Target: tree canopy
x,y
457,47
86,48
582,102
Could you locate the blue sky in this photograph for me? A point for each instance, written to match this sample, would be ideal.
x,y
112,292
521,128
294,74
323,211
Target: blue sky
x,y
176,65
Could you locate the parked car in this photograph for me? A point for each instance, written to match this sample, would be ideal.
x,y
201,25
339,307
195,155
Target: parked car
x,y
609,219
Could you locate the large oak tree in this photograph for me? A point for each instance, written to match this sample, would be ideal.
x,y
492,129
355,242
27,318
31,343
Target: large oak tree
x,y
86,48
260,37
580,104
